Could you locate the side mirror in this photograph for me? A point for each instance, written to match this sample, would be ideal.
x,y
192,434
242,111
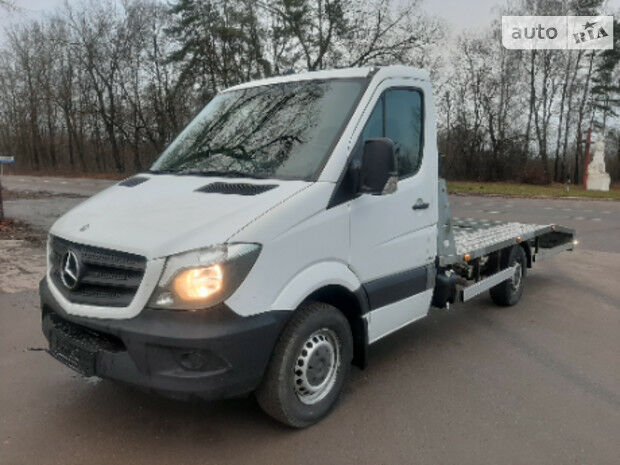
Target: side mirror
x,y
379,170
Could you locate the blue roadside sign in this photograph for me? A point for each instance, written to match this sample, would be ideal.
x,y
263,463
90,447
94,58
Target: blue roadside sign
x,y
5,161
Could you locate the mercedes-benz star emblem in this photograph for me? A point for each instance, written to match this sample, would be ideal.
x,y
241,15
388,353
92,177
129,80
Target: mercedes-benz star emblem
x,y
70,271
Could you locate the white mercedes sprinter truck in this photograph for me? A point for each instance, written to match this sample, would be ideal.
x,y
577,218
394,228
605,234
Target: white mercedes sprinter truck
x,y
296,221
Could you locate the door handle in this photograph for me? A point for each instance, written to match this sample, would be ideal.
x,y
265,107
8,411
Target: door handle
x,y
420,205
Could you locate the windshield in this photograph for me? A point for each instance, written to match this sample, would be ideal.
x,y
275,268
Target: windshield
x,y
275,131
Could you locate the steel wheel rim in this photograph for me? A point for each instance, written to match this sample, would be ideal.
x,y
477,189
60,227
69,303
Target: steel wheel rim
x,y
517,277
316,366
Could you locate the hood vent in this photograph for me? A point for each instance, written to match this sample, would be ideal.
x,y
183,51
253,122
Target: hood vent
x,y
235,188
132,182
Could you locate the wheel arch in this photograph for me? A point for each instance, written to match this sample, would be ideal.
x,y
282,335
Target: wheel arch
x,y
505,254
353,305
333,283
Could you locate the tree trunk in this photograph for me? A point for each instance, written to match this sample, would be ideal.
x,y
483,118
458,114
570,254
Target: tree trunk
x,y
556,163
1,206
579,140
532,104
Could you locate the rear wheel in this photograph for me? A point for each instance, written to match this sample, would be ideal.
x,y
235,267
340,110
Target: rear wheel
x,y
510,291
309,366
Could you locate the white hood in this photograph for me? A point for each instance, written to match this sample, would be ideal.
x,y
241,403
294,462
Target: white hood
x,y
165,215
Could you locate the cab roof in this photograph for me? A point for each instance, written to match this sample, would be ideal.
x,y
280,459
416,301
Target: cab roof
x,y
381,72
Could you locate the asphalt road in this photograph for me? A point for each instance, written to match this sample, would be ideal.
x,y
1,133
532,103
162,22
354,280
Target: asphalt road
x,y
80,186
533,384
43,211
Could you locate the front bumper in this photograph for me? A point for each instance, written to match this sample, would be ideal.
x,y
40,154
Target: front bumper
x,y
213,353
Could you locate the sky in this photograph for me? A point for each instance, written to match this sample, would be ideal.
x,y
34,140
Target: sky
x,y
458,14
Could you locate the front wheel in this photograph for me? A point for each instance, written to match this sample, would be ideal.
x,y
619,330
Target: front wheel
x,y
509,292
308,367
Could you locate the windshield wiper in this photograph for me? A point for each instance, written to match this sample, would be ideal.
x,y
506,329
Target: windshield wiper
x,y
225,174
162,171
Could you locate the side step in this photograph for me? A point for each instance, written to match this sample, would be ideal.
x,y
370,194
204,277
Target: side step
x,y
485,284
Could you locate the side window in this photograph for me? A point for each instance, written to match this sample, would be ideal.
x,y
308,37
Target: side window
x,y
398,116
403,124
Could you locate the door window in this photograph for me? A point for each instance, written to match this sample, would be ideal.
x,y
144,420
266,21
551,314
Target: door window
x,y
398,116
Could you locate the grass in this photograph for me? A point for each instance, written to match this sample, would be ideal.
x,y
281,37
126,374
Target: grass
x,y
528,190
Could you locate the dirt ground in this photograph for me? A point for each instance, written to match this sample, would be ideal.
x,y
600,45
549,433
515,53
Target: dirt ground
x,y
22,256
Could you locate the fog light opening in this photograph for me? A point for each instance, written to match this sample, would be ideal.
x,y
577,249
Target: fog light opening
x,y
192,360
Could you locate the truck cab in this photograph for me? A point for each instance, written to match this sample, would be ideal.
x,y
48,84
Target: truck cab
x,y
293,223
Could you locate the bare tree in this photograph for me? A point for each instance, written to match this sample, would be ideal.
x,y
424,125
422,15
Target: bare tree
x,y
580,117
7,5
105,85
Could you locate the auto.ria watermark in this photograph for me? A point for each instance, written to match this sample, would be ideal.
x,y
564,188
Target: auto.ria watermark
x,y
558,32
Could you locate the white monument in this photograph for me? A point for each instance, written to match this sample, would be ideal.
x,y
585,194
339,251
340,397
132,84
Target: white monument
x,y
598,178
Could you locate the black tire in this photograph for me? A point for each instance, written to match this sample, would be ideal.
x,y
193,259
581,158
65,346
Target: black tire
x,y
279,394
507,293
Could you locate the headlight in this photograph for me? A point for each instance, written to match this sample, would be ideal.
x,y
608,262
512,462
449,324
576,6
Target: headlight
x,y
203,278
197,284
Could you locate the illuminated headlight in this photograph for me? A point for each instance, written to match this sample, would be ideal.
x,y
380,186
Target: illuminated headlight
x,y
205,277
199,283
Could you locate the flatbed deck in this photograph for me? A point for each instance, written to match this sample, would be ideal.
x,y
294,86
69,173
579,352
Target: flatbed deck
x,y
465,239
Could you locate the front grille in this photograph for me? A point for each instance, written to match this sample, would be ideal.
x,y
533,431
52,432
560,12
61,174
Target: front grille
x,y
107,278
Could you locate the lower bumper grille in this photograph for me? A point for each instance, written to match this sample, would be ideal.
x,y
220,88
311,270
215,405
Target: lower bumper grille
x,y
76,346
94,276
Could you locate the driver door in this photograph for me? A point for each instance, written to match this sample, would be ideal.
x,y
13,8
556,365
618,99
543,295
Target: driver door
x,y
393,236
